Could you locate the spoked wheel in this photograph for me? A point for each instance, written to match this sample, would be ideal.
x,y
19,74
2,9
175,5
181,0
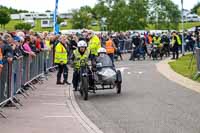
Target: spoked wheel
x,y
81,92
119,85
84,88
119,82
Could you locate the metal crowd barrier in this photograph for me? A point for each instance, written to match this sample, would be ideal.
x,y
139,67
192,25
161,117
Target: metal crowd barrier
x,y
4,83
198,63
125,45
22,72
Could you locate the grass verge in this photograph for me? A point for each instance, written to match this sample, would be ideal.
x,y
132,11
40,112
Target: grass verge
x,y
185,66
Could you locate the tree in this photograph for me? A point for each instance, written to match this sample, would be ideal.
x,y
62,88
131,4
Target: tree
x,y
198,11
82,18
138,14
195,8
12,11
4,18
23,26
60,20
118,17
164,14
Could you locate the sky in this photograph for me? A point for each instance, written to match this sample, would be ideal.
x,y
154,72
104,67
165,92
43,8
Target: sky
x,y
66,5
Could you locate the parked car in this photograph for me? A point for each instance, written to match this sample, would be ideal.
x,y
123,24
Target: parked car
x,y
94,23
63,24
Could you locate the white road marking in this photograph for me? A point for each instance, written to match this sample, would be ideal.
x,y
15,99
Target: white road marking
x,y
140,72
122,69
129,73
56,104
58,116
53,95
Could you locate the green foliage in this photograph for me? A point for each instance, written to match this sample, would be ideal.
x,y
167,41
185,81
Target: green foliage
x,y
23,26
198,11
138,14
12,11
195,8
4,17
164,14
60,20
82,18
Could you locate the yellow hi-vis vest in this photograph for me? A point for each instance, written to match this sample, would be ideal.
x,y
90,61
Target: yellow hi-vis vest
x,y
48,45
60,54
80,58
94,45
157,40
178,40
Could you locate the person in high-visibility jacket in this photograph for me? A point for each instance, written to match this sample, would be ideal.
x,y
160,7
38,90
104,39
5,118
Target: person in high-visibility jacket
x,y
93,45
175,43
61,59
157,40
80,57
110,48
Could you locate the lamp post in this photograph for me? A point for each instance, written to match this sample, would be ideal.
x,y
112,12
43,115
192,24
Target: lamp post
x,y
183,49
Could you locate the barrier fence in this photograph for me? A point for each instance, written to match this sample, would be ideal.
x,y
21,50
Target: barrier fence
x,y
22,72
198,63
125,45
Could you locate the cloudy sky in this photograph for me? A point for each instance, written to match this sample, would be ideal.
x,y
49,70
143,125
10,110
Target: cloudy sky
x,y
65,5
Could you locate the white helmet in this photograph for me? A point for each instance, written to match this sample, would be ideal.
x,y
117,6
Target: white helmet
x,y
101,50
82,44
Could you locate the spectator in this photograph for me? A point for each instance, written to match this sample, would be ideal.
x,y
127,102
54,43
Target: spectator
x,y
17,53
1,54
26,46
7,48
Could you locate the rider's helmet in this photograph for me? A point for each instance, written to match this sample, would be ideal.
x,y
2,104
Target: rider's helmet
x,y
157,34
101,50
82,44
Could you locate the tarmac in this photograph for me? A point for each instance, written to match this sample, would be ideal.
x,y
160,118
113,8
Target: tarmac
x,y
164,68
50,108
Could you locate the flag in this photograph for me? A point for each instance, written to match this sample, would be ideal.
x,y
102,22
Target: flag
x,y
56,30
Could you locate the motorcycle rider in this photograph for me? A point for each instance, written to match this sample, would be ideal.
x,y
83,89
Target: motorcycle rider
x,y
103,59
166,41
157,40
79,55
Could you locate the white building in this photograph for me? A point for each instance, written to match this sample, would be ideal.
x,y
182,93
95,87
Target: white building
x,y
15,16
46,23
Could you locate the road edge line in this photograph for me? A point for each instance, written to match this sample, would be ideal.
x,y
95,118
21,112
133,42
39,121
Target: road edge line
x,y
164,68
81,117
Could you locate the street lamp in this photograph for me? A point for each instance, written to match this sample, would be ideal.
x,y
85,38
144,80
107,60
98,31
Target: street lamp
x,y
183,49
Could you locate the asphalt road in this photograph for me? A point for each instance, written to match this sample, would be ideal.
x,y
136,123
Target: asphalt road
x,y
149,103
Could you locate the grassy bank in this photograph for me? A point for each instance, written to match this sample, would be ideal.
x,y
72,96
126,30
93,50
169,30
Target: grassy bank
x,y
12,23
10,26
185,67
